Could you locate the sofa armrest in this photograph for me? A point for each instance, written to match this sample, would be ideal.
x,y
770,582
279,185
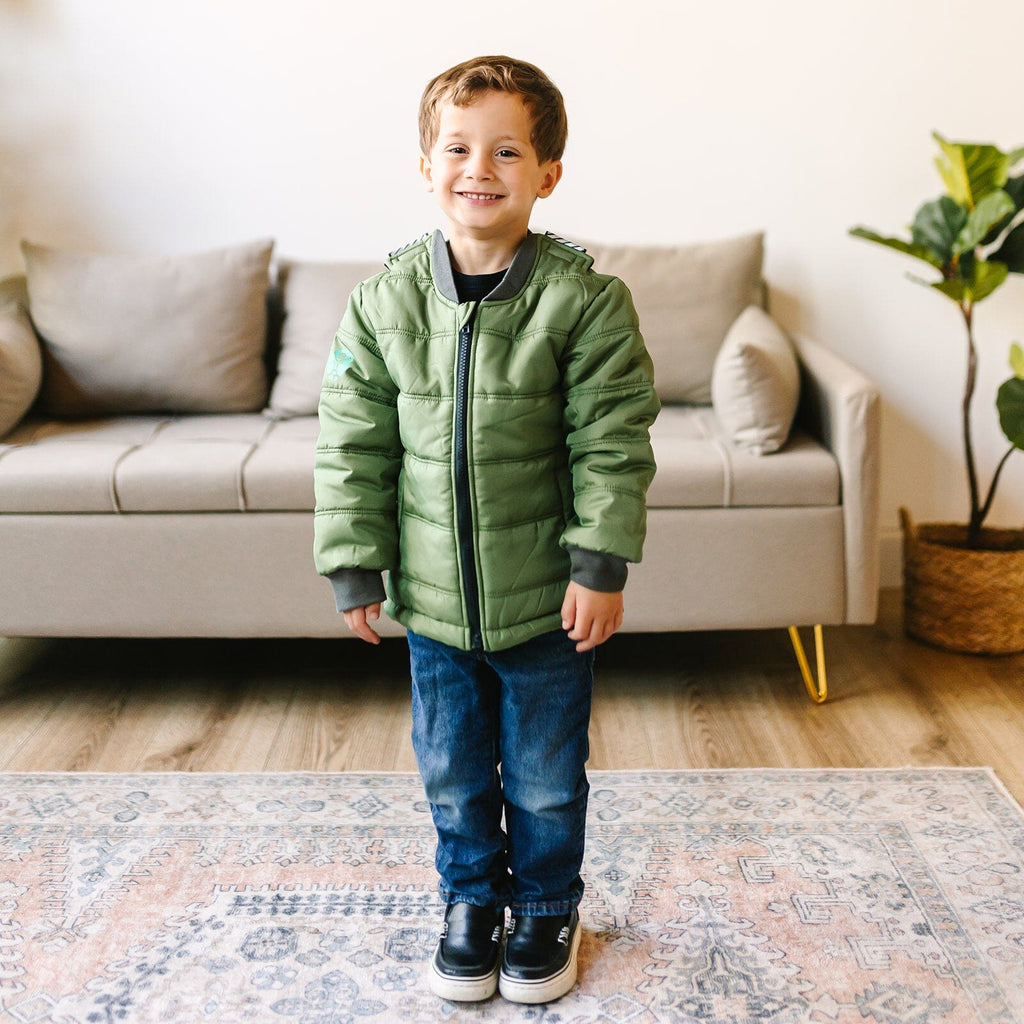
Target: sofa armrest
x,y
21,363
841,407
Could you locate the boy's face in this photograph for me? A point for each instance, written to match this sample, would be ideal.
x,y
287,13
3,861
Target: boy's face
x,y
484,170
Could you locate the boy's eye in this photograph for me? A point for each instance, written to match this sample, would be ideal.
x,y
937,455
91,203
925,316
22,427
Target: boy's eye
x,y
507,153
457,150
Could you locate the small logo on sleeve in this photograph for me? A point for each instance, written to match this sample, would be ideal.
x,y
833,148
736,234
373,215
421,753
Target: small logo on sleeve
x,y
341,359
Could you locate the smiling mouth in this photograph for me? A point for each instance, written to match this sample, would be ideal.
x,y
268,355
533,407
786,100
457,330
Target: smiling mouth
x,y
479,196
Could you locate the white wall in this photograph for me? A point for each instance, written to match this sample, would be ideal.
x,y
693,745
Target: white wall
x,y
164,126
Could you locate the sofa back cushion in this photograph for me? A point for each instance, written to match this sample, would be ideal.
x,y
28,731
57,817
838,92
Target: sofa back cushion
x,y
314,295
755,385
687,297
128,334
21,364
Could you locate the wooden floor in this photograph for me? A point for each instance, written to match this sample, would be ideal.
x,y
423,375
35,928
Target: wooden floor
x,y
713,700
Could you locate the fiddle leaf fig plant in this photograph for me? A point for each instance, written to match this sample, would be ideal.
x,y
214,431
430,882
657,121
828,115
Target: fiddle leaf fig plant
x,y
1010,400
973,236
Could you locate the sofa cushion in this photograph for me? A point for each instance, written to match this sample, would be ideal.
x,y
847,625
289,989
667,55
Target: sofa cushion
x,y
143,334
698,467
210,463
687,297
58,466
21,363
314,296
755,384
251,463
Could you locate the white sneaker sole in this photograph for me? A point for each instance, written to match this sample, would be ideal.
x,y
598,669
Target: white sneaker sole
x,y
462,990
544,990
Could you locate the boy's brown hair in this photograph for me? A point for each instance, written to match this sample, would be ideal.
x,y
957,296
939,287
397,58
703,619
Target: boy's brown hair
x,y
462,84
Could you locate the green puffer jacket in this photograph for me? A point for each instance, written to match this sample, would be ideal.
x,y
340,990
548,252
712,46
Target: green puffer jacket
x,y
468,449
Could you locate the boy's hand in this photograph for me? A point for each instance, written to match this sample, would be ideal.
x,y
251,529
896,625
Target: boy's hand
x,y
590,616
359,619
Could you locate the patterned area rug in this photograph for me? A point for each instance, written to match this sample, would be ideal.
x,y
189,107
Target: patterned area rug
x,y
893,896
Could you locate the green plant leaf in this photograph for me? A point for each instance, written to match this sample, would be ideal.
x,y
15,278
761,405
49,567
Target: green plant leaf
x,y
907,248
984,278
953,170
1010,403
995,207
971,170
955,290
987,277
937,225
1014,188
1011,252
1015,156
1017,360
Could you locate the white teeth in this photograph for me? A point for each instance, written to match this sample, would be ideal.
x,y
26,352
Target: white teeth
x,y
480,195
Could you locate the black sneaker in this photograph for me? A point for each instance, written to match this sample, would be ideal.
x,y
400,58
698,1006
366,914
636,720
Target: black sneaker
x,y
540,958
465,965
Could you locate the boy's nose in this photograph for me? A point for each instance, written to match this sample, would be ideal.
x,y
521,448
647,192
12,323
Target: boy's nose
x,y
480,168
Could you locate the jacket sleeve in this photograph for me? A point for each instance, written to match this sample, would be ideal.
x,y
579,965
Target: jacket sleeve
x,y
358,456
608,379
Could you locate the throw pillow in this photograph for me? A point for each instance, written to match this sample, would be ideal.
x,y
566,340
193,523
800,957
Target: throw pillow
x,y
314,296
126,334
21,363
755,385
687,297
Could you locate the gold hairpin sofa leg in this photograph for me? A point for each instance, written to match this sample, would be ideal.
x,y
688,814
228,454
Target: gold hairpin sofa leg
x,y
816,690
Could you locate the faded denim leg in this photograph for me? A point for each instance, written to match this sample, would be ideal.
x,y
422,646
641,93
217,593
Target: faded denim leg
x,y
455,702
527,708
545,722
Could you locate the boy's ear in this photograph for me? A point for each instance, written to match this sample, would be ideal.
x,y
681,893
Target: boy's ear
x,y
552,176
425,173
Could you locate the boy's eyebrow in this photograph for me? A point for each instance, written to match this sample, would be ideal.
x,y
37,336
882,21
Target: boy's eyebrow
x,y
455,136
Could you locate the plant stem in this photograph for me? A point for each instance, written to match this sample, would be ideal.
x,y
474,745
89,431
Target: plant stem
x,y
977,515
992,489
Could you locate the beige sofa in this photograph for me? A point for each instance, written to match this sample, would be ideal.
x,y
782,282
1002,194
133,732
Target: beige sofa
x,y
156,461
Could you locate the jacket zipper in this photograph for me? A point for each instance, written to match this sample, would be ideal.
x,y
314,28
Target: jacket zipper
x,y
463,496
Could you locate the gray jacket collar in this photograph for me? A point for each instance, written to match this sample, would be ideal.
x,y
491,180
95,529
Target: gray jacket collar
x,y
510,285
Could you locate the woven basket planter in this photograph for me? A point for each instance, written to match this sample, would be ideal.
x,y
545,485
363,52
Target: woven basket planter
x,y
963,599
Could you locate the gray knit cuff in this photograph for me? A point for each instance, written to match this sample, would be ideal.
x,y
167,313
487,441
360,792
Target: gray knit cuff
x,y
356,588
596,570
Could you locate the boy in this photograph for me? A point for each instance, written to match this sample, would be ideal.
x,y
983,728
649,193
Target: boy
x,y
484,440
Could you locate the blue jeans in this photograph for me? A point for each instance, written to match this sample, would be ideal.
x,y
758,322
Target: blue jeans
x,y
505,732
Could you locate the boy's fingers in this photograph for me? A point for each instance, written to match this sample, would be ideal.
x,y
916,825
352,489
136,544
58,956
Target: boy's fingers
x,y
369,635
582,627
569,610
356,620
588,643
598,633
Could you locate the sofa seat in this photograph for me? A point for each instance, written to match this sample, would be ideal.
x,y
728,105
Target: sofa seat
x,y
699,468
252,463
159,464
